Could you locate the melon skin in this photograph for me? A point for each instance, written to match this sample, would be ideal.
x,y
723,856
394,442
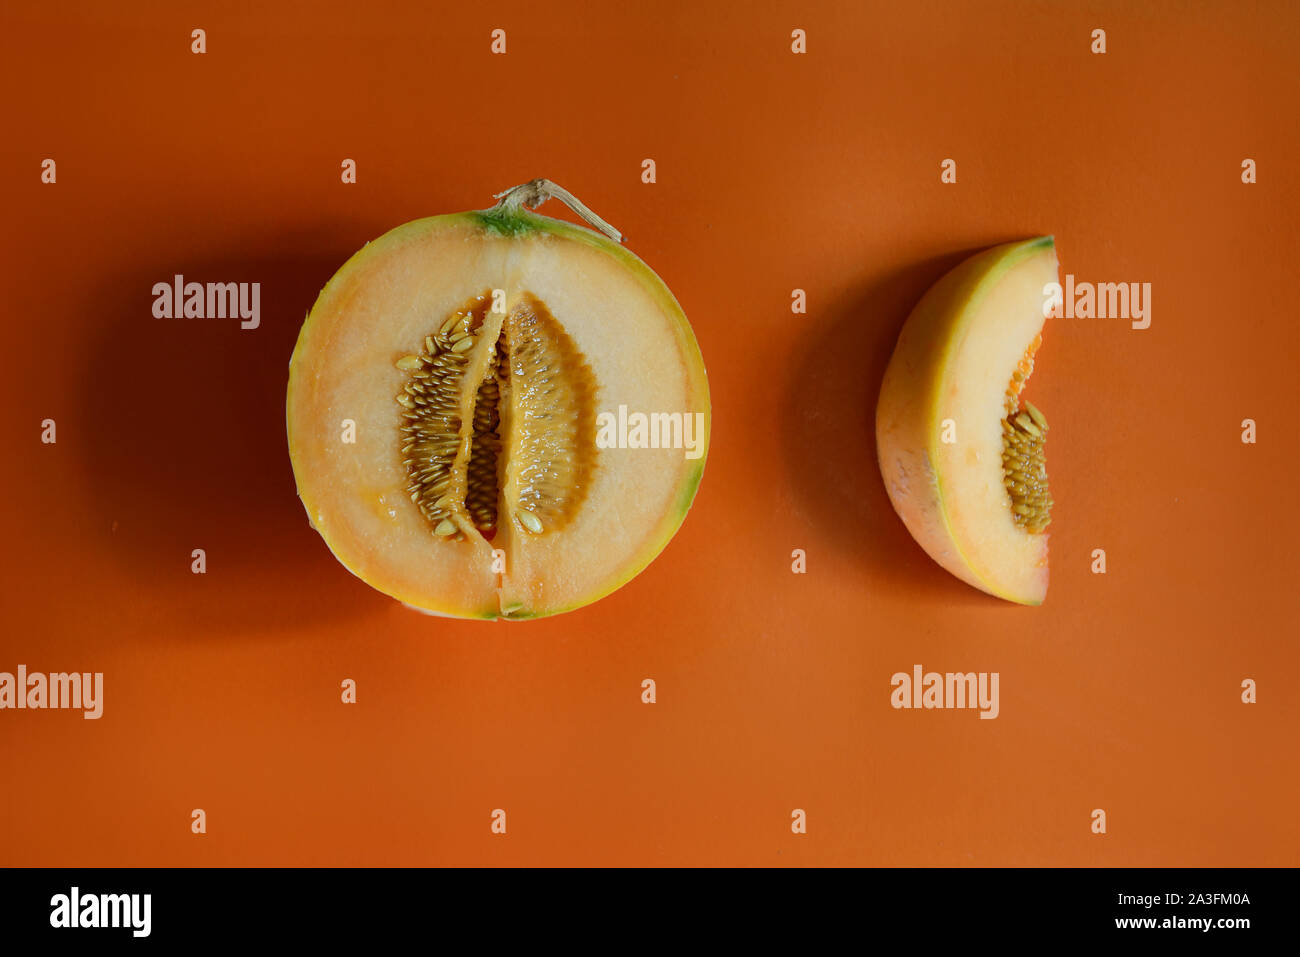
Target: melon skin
x,y
953,360
467,593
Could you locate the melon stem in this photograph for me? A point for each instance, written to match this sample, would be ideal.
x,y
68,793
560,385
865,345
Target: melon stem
x,y
532,194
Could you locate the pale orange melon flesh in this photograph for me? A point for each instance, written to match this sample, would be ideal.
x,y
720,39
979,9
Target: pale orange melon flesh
x,y
950,376
631,342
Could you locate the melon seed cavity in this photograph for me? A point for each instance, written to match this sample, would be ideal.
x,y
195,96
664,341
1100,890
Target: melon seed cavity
x,y
1024,459
530,432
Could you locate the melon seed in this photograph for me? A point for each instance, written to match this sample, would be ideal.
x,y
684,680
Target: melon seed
x,y
409,363
1027,424
529,520
463,345
445,528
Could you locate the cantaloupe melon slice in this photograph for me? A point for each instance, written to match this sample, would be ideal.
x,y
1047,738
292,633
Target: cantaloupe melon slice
x,y
962,461
444,405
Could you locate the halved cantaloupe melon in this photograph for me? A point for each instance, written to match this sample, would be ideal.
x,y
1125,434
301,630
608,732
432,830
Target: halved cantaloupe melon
x,y
962,461
448,396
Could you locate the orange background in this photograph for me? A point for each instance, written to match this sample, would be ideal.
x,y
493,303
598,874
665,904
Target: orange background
x,y
775,172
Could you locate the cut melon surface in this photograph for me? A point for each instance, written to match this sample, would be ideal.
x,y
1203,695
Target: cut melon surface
x,y
443,409
962,461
